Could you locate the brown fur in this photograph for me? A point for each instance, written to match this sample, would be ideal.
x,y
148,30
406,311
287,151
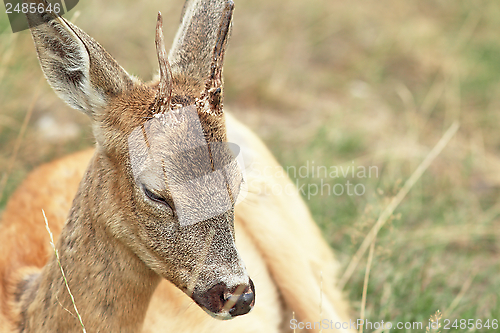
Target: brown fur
x,y
115,245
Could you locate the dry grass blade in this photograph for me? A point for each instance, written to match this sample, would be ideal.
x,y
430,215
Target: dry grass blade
x,y
234,298
386,214
463,290
75,16
19,138
7,55
62,271
321,298
365,284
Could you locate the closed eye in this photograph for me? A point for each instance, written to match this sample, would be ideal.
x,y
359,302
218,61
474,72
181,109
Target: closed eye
x,y
155,197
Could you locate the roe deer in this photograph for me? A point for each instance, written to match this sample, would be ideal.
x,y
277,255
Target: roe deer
x,y
139,247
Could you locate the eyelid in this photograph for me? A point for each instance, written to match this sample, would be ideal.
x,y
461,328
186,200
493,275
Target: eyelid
x,y
154,197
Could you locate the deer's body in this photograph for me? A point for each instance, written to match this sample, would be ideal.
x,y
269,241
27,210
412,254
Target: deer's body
x,y
53,186
120,240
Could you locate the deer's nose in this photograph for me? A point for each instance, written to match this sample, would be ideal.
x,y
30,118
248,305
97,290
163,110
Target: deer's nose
x,y
238,300
245,301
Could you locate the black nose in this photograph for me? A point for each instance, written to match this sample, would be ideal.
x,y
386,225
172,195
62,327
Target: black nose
x,y
237,300
245,302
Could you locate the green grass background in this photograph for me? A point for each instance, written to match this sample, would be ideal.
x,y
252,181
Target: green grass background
x,y
341,83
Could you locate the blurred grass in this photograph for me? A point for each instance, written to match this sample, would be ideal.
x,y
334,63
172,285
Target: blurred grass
x,y
343,84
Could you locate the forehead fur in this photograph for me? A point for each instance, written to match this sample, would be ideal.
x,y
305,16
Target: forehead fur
x,y
133,108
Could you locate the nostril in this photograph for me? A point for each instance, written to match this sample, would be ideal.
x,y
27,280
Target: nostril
x,y
213,299
222,299
245,302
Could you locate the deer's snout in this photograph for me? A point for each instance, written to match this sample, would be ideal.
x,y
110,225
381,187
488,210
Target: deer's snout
x,y
225,302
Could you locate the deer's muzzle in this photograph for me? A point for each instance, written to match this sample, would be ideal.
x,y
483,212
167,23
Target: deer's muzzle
x,y
223,302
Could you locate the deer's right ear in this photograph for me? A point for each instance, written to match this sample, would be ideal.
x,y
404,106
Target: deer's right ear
x,y
81,72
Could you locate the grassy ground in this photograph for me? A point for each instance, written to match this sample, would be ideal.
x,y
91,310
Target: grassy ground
x,y
336,85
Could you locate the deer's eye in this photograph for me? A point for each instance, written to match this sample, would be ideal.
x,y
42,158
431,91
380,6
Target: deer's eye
x,y
156,198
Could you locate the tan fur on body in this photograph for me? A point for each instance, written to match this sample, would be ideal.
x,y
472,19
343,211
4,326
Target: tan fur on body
x,y
113,273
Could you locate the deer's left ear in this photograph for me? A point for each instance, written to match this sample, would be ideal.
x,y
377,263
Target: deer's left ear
x,y
81,72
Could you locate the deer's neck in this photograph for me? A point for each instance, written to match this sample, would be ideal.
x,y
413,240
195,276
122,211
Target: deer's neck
x,y
111,286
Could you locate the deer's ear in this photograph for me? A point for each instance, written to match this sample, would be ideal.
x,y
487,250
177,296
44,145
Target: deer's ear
x,y
81,72
201,39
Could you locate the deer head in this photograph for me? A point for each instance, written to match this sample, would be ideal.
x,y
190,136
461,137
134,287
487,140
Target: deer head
x,y
165,182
